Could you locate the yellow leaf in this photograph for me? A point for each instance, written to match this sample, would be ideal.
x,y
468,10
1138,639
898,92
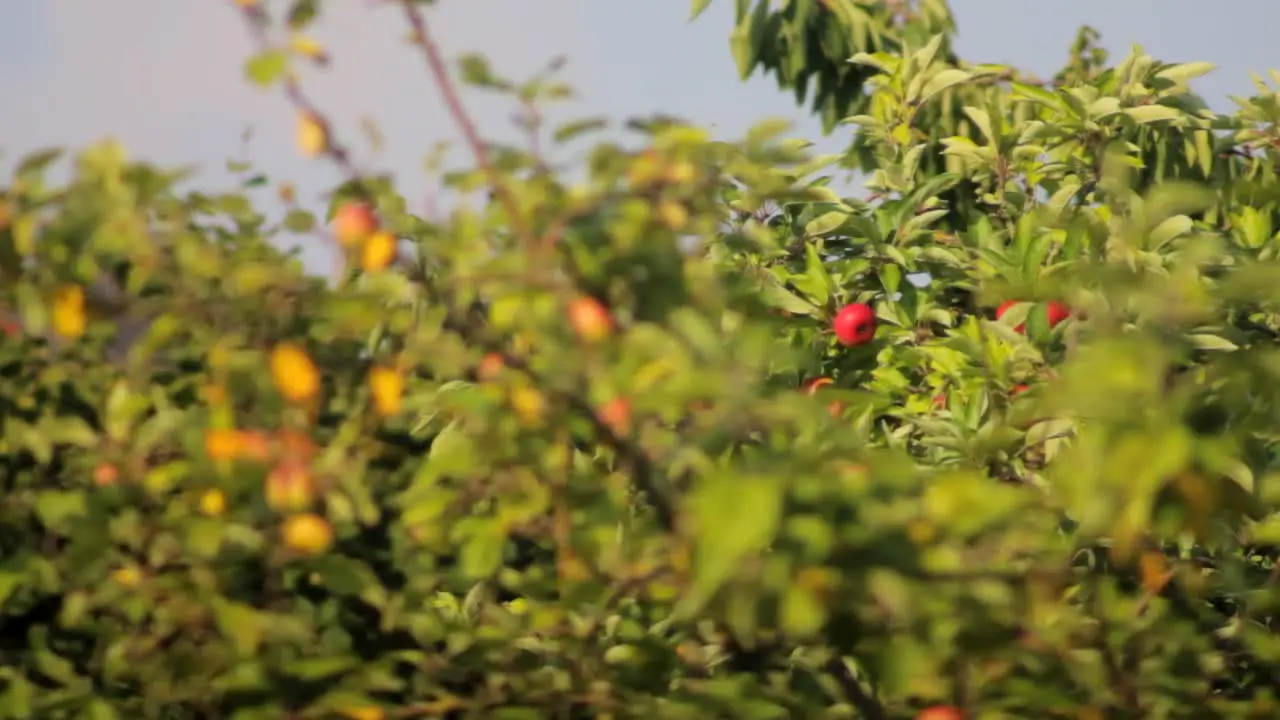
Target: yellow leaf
x,y
294,374
387,386
69,312
312,138
308,47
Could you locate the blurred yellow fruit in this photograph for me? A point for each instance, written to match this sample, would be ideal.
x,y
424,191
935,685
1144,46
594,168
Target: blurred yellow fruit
x,y
221,444
590,319
312,138
129,576
673,214
681,172
387,386
68,311
307,533
213,503
378,252
289,487
645,169
294,374
529,404
368,712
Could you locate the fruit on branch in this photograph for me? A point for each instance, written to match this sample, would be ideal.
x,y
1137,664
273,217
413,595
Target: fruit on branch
x,y
106,475
490,367
1056,312
529,405
68,313
673,215
681,172
378,251
290,487
294,374
213,503
617,415
940,712
1004,308
308,534
353,223
386,385
311,136
590,319
645,170
855,324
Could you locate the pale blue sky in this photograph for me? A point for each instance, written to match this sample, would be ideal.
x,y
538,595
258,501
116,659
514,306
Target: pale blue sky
x,y
164,75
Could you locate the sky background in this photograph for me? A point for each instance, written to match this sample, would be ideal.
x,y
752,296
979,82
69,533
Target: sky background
x,y
165,76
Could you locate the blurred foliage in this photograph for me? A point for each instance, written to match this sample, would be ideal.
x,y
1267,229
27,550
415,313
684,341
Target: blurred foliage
x,y
589,447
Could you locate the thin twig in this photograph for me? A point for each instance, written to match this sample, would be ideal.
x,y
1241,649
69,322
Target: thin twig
x,y
868,706
453,102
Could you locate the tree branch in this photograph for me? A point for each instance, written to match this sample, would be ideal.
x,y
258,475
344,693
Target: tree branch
x,y
453,102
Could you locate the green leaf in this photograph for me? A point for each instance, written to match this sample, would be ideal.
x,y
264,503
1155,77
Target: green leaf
x,y
699,6
570,131
1207,341
1183,72
241,624
58,508
1153,113
300,221
267,67
320,668
726,538
943,80
481,554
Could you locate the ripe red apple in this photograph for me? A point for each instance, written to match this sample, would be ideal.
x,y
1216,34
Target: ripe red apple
x,y
940,712
855,324
590,319
1004,308
490,367
353,222
617,415
1056,312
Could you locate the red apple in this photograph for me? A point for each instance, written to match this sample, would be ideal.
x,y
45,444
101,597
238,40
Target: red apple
x,y
855,324
490,367
353,222
590,319
617,415
1056,312
1019,389
940,712
1004,308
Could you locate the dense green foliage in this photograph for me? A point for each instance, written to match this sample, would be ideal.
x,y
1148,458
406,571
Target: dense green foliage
x,y
594,449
